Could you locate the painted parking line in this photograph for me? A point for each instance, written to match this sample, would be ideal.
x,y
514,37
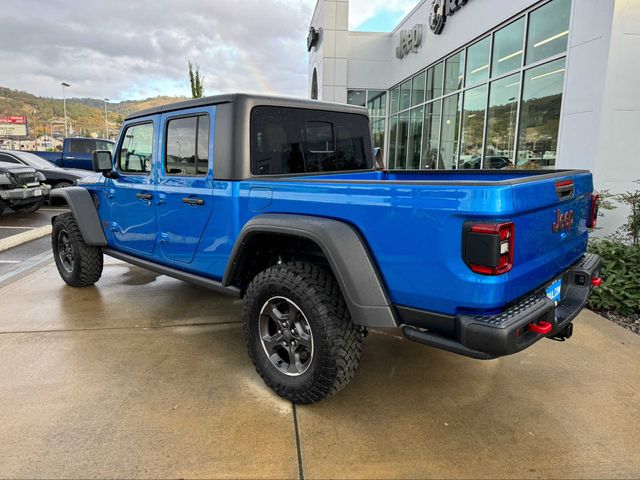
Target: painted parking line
x,y
20,228
10,261
24,237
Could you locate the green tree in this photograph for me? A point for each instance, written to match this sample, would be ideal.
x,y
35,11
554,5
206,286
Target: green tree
x,y
197,88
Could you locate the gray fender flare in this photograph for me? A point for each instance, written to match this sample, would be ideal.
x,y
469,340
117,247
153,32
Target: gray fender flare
x,y
354,268
85,212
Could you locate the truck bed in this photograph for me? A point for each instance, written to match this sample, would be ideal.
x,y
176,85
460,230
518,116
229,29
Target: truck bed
x,y
413,222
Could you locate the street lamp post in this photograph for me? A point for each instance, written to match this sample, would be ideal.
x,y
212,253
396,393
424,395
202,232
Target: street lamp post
x,y
64,103
106,121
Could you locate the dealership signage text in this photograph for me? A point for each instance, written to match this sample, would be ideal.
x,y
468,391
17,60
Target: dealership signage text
x,y
410,41
440,10
13,126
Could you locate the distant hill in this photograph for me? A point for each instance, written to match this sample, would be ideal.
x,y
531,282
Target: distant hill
x,y
84,115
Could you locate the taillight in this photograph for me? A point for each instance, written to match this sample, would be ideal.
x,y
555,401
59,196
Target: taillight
x,y
592,219
487,248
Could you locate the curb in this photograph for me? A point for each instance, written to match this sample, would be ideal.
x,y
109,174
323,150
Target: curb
x,y
24,237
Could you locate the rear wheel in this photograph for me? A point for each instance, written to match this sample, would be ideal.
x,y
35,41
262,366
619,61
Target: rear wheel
x,y
28,208
299,332
79,264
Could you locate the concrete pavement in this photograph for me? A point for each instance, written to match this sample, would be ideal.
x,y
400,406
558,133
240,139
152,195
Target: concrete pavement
x,y
145,376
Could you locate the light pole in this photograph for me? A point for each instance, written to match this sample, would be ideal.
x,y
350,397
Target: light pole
x,y
64,103
106,121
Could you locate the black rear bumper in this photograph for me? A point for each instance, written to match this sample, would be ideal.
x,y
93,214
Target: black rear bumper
x,y
508,332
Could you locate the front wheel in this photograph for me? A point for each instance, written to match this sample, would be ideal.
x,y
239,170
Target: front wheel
x,y
79,264
299,332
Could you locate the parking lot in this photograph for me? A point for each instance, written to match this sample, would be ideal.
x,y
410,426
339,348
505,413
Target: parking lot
x,y
145,376
24,239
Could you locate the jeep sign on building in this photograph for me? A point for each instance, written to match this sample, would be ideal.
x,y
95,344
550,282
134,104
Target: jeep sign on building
x,y
492,84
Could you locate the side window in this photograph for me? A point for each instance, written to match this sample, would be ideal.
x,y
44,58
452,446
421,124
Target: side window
x,y
83,146
7,158
187,146
136,151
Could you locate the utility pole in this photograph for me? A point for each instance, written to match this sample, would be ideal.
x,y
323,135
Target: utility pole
x,y
106,121
64,103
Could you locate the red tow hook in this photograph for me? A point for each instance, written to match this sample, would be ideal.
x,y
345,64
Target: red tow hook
x,y
542,328
596,281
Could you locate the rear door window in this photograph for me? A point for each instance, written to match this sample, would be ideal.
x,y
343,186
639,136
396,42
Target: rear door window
x,y
291,140
187,146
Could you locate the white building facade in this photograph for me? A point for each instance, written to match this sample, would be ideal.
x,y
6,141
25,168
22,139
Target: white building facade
x,y
493,84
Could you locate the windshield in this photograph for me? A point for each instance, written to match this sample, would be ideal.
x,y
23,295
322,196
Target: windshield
x,y
35,161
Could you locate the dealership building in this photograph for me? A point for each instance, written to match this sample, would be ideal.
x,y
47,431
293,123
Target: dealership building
x,y
493,84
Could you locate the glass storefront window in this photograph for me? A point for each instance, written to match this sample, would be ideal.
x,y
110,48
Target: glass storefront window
x,y
415,138
473,113
393,135
405,95
501,122
377,103
540,115
377,133
450,131
357,97
507,48
434,81
417,90
403,137
454,73
478,62
431,135
548,30
395,96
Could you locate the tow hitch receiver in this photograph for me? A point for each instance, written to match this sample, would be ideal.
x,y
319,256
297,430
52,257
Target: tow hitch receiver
x,y
541,327
564,334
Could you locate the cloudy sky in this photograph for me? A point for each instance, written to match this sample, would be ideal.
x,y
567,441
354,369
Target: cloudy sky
x,y
131,49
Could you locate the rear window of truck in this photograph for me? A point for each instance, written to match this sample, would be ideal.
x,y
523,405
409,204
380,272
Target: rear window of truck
x,y
292,140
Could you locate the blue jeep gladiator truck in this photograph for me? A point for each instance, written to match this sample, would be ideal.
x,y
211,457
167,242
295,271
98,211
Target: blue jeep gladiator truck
x,y
277,201
76,152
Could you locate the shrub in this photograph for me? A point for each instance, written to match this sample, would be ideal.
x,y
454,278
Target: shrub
x,y
620,289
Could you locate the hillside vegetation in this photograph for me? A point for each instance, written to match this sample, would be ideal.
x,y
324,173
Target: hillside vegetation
x,y
84,115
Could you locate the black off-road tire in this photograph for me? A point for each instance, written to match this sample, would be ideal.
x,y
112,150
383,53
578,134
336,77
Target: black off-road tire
x,y
84,265
337,341
28,208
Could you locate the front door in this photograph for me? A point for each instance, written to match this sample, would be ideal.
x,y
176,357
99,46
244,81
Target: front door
x,y
185,182
132,194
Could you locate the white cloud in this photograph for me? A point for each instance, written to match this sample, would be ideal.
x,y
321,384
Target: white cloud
x,y
140,48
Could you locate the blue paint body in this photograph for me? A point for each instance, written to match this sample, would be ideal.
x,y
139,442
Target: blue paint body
x,y
73,159
413,231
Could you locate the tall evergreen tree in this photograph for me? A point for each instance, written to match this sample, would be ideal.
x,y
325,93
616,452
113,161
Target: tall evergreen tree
x,y
197,88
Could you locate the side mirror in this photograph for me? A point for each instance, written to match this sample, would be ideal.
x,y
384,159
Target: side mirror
x,y
101,160
377,155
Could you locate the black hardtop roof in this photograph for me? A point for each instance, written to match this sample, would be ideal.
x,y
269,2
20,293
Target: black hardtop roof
x,y
283,101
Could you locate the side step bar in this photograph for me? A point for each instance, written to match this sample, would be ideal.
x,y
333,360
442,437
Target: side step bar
x,y
174,272
434,340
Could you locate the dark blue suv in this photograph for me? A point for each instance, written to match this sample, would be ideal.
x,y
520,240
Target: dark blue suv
x,y
278,201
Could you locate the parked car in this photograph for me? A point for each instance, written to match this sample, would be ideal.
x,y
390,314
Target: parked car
x,y
278,202
21,188
76,152
492,161
55,176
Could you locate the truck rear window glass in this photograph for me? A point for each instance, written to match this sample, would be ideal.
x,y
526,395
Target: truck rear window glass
x,y
87,145
187,151
291,140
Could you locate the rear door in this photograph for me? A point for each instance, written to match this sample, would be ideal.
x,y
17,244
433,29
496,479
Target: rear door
x,y
551,230
185,182
133,194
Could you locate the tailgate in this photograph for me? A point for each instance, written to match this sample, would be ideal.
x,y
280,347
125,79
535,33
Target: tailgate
x,y
550,229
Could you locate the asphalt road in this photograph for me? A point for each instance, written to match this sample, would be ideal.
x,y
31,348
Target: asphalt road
x,y
144,376
12,224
